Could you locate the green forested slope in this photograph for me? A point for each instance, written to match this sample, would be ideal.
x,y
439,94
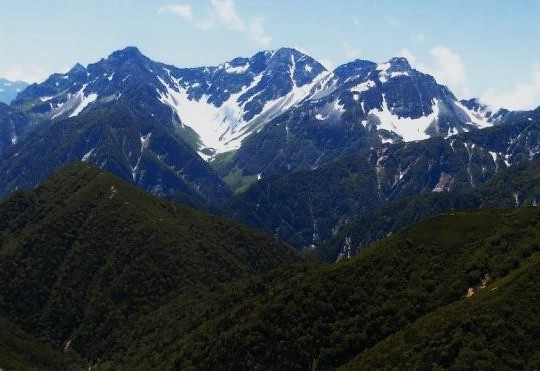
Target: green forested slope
x,y
326,314
515,186
21,351
133,282
496,328
86,253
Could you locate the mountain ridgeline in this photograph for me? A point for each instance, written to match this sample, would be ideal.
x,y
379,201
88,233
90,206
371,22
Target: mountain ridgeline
x,y
200,133
263,139
424,204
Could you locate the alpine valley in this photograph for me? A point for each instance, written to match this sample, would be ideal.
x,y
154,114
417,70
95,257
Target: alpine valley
x,y
265,213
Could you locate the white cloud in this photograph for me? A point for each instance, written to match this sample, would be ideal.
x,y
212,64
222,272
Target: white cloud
x,y
410,57
24,73
522,96
227,15
181,10
224,13
448,68
205,24
420,38
350,51
394,22
257,33
328,64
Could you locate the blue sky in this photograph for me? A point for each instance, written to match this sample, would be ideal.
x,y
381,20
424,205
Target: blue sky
x,y
480,48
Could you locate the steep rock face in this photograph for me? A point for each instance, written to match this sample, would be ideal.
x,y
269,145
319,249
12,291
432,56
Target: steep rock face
x,y
225,104
273,113
13,127
360,105
115,137
220,105
309,207
115,108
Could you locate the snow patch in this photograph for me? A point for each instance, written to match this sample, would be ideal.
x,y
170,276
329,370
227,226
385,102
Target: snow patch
x,y
221,129
383,71
384,75
475,117
145,140
451,131
364,86
320,117
87,155
45,99
506,160
308,68
237,70
85,100
397,74
339,107
407,128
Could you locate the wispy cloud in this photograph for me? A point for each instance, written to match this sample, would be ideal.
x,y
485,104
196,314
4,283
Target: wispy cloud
x,y
393,21
223,13
350,51
522,96
227,15
447,67
181,10
24,73
328,64
257,33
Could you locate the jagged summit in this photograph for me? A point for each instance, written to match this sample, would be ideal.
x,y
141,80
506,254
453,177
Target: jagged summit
x,y
77,68
127,52
399,64
285,106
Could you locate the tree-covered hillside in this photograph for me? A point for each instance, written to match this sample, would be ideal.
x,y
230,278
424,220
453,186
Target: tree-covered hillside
x,y
517,186
128,281
86,253
324,315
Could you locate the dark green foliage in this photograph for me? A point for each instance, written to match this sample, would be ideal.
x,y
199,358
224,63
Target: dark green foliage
x,y
305,208
515,186
497,328
86,253
309,207
326,314
21,351
109,136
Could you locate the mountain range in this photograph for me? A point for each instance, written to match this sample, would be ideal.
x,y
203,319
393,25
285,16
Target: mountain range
x,y
248,117
274,140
